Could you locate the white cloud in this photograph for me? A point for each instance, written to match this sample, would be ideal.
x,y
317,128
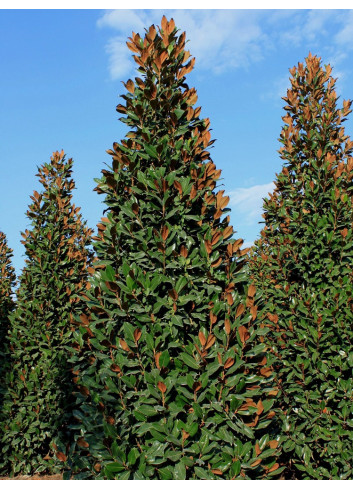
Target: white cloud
x,y
223,40
130,20
219,39
120,62
277,91
345,36
247,202
296,27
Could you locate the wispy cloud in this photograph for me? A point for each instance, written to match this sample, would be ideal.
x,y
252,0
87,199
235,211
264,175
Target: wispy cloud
x,y
247,202
344,37
120,63
224,40
219,39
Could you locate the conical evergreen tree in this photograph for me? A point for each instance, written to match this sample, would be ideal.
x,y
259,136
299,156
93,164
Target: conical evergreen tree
x,y
170,366
7,304
303,264
54,277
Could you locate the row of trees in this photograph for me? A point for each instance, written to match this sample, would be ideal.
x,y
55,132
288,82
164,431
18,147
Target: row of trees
x,y
171,353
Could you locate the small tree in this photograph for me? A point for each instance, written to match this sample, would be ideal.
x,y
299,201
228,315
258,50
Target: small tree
x,y
170,365
51,284
7,304
303,264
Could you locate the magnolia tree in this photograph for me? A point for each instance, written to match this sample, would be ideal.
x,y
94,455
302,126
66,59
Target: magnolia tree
x,y
303,264
172,377
7,304
39,384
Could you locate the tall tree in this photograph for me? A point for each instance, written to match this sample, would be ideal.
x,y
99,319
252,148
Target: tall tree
x,y
51,284
303,264
7,304
170,362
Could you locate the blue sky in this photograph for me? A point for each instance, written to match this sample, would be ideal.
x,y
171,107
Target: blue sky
x,y
61,79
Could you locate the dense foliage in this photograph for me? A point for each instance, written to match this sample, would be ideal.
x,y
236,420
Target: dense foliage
x,y
303,265
7,304
171,369
55,274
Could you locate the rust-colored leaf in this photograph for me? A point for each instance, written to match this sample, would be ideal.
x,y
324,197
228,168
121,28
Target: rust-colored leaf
x,y
208,246
140,83
273,468
227,326
257,449
273,444
273,393
210,341
193,192
344,232
197,112
156,358
178,186
229,362
173,294
82,443
124,345
228,231
217,262
162,387
202,338
152,32
260,407
266,371
217,472
130,86
185,434
137,334
193,97
84,319
61,456
164,232
245,406
243,334
164,23
84,391
251,290
257,462
132,47
183,251
240,310
213,318
189,113
115,368
272,317
153,92
215,238
253,312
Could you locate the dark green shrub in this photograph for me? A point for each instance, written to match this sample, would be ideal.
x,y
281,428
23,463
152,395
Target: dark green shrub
x,y
55,274
303,264
7,304
170,362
